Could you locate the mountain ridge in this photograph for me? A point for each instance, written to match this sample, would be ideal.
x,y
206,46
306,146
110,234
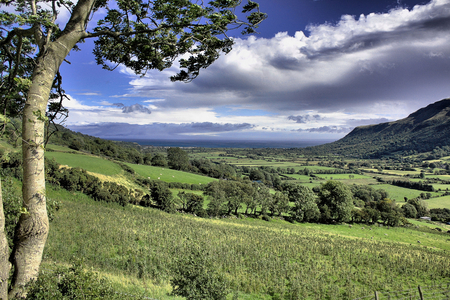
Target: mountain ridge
x,y
422,131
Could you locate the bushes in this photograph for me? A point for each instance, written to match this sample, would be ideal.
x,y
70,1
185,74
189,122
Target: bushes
x,y
73,283
76,179
196,278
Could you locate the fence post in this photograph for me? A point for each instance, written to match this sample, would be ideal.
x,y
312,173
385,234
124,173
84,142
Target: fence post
x,y
376,296
420,293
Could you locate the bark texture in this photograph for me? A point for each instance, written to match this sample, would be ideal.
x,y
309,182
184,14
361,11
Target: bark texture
x,y
5,266
32,230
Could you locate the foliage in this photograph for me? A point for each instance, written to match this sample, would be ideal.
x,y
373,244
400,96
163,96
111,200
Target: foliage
x,y
159,160
420,206
162,196
177,159
335,202
409,211
72,282
440,214
305,207
12,207
195,277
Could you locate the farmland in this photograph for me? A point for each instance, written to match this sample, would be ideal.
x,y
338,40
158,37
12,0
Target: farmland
x,y
261,257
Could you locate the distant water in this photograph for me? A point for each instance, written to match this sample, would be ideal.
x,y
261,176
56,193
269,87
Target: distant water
x,y
228,143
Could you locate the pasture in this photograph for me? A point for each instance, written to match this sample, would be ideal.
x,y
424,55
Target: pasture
x,y
168,175
439,202
90,163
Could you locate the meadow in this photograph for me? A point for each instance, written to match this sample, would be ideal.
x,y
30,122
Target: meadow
x,y
90,163
261,260
168,175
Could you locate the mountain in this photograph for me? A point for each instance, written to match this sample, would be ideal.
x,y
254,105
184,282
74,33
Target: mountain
x,y
421,131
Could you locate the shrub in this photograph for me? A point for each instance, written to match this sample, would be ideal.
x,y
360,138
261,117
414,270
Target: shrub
x,y
73,283
195,276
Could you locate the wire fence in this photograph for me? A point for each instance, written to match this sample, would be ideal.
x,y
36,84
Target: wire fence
x,y
432,292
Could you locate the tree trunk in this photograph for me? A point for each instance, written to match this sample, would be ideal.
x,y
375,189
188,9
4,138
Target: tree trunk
x,y
32,229
5,266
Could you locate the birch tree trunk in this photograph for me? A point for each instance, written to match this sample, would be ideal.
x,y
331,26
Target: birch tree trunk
x,y
5,266
32,230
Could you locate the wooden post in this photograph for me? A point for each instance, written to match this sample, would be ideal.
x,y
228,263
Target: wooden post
x,y
376,296
420,293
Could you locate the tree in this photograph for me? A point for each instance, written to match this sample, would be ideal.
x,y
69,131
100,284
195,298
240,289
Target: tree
x,y
335,201
420,206
159,160
141,35
305,207
178,159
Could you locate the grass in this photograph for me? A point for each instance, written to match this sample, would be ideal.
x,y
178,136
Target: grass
x,y
399,193
138,245
89,163
169,175
439,202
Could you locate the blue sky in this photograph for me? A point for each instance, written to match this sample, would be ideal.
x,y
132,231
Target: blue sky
x,y
316,70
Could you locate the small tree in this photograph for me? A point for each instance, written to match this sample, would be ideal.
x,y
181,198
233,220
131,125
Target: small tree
x,y
305,207
177,159
420,206
335,202
195,277
409,211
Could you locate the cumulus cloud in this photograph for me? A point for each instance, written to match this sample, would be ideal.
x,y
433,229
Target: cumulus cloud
x,y
396,58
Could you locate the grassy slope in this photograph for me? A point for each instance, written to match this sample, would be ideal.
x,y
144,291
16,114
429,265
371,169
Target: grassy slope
x,y
169,175
89,163
135,246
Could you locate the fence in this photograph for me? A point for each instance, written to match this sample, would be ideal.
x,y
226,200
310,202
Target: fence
x,y
433,292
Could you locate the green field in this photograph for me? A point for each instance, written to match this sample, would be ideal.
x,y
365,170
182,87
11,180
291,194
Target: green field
x,y
89,163
399,193
169,175
440,202
135,248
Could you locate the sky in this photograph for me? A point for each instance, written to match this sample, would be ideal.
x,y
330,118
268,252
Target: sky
x,y
316,70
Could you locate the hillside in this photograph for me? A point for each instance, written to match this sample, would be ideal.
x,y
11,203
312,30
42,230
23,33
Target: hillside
x,y
421,131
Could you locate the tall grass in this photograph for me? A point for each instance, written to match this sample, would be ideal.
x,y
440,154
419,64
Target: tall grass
x,y
276,258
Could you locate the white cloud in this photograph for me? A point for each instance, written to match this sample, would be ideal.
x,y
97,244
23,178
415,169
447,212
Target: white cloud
x,y
356,64
347,73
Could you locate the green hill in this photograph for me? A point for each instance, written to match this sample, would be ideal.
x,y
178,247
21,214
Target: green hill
x,y
422,131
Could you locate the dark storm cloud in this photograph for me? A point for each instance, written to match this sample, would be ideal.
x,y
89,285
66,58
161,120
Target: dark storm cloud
x,y
133,108
156,130
327,129
305,119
